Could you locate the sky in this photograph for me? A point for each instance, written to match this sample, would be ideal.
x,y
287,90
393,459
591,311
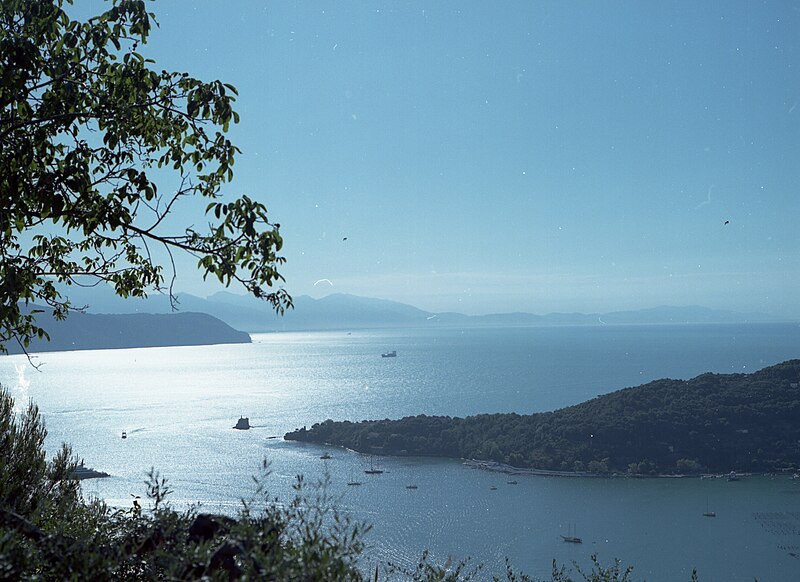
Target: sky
x,y
487,157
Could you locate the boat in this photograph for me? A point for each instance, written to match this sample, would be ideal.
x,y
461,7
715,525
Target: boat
x,y
411,487
124,434
570,538
352,481
732,476
243,423
511,482
372,470
493,488
708,512
326,456
392,354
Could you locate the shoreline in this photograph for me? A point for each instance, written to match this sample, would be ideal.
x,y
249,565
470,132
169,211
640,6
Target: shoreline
x,y
497,467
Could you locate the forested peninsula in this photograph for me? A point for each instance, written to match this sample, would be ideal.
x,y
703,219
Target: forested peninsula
x,y
711,423
84,331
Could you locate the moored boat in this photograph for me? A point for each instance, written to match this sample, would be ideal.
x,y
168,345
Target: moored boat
x,y
372,470
571,538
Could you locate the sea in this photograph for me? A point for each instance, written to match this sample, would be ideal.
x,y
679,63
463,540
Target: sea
x,y
178,405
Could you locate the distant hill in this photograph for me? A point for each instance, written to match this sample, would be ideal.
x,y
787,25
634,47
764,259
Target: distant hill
x,y
714,422
92,332
345,312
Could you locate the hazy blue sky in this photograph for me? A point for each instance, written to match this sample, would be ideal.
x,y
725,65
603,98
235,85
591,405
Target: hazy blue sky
x,y
497,156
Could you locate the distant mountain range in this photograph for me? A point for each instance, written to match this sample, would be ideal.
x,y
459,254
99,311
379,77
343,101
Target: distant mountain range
x,y
345,312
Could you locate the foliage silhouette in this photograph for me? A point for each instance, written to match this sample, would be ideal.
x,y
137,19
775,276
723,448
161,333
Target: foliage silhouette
x,y
88,126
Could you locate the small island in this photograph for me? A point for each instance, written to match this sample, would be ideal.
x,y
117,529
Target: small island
x,y
81,472
714,423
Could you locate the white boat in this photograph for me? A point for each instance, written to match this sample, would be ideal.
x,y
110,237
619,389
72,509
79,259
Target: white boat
x,y
326,456
392,354
124,434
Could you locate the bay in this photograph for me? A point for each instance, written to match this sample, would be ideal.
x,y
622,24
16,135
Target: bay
x,y
177,406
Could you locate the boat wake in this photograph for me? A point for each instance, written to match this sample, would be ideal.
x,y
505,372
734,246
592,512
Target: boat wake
x,y
21,390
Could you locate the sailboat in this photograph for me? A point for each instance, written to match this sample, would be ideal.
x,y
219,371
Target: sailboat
x,y
572,539
352,480
372,470
708,513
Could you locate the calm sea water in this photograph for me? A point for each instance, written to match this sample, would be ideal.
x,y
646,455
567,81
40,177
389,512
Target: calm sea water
x,y
178,406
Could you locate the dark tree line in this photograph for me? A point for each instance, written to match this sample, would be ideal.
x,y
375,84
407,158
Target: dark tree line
x,y
714,422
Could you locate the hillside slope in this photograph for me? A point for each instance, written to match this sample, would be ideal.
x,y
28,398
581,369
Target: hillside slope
x,y
714,422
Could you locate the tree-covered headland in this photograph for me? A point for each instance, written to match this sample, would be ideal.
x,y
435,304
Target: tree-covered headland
x,y
711,423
